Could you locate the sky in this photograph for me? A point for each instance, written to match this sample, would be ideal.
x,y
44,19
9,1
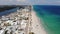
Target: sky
x,y
29,2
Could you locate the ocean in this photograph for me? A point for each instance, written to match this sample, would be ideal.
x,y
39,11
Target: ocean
x,y
50,15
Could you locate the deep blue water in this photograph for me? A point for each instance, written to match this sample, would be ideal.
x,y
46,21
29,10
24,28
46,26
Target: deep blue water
x,y
50,15
50,9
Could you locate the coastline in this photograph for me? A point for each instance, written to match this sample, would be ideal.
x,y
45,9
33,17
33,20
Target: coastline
x,y
37,27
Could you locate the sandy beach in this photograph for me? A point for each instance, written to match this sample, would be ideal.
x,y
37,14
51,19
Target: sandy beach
x,y
36,25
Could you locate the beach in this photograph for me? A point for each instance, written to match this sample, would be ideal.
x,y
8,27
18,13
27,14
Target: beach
x,y
36,24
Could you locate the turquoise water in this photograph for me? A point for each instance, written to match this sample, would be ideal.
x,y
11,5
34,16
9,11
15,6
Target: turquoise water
x,y
50,15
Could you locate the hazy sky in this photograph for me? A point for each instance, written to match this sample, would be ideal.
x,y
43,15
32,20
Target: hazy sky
x,y
31,2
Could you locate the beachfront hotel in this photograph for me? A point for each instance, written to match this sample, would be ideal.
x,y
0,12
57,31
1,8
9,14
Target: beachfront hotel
x,y
20,20
16,22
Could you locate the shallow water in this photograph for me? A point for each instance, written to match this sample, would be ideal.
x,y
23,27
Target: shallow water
x,y
51,17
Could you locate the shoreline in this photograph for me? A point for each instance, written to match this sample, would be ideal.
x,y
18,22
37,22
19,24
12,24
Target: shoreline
x,y
37,27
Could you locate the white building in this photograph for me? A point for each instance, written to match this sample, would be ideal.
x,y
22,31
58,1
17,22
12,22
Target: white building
x,y
1,31
23,24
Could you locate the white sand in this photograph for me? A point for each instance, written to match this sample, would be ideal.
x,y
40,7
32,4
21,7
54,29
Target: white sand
x,y
35,21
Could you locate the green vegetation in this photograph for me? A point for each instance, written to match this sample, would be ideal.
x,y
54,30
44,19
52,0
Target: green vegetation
x,y
31,32
6,8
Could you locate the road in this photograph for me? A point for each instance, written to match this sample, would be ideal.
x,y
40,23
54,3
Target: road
x,y
28,25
